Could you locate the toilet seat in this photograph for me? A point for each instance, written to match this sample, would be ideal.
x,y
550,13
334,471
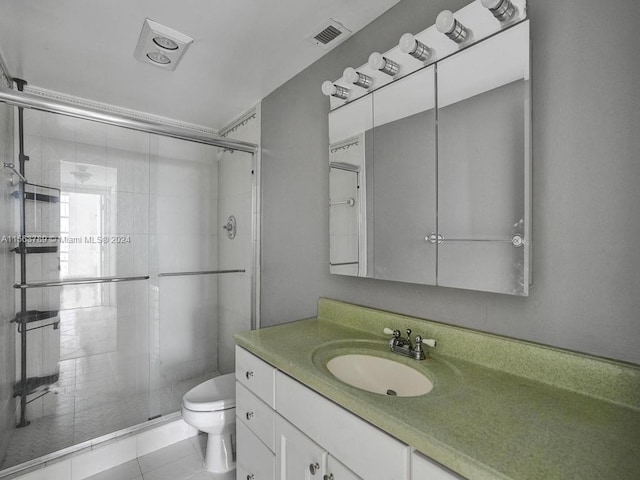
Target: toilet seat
x,y
219,393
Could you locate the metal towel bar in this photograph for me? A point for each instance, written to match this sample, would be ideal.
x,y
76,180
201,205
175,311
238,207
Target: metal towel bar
x,y
351,202
78,281
207,272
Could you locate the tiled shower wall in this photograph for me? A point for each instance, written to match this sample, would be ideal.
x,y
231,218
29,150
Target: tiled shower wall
x,y
183,217
7,311
236,171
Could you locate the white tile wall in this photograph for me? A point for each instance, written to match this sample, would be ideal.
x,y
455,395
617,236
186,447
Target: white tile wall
x,y
235,198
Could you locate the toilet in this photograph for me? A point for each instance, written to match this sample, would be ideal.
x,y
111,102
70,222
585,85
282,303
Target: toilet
x,y
211,408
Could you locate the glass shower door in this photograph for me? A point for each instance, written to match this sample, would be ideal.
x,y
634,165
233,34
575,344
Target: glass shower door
x,y
201,264
86,347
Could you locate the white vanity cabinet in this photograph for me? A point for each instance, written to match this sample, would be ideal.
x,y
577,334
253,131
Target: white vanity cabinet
x,y
255,457
302,435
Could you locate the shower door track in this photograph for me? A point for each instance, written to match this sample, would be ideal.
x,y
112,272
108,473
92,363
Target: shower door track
x,y
28,100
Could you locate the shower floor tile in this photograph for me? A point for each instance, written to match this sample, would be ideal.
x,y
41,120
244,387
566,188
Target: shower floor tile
x,y
101,389
44,435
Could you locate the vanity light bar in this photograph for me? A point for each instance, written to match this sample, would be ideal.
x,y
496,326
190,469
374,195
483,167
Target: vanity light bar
x,y
452,32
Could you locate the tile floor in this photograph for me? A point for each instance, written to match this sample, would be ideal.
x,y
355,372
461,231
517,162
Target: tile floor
x,y
180,461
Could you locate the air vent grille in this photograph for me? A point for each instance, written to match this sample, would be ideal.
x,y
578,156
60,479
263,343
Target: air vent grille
x,y
329,34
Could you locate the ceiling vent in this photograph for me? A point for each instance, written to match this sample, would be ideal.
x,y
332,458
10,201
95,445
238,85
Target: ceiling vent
x,y
329,34
161,46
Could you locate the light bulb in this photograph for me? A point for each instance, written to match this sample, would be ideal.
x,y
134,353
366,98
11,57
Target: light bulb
x,y
414,47
446,23
376,61
331,89
503,10
158,57
328,88
360,79
350,75
383,64
407,43
165,43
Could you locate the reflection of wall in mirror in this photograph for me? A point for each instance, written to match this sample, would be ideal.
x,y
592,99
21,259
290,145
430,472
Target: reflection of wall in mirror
x,y
402,173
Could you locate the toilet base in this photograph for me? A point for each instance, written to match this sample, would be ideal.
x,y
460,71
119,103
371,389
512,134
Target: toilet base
x,y
219,454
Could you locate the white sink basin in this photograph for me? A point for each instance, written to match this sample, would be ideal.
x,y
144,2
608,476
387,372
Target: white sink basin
x,y
379,375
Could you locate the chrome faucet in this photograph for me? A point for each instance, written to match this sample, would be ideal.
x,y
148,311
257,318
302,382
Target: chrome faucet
x,y
403,346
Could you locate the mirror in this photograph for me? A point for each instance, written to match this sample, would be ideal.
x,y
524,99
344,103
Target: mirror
x,y
430,174
483,101
401,175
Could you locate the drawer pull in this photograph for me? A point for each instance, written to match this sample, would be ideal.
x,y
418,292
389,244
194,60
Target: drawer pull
x,y
313,468
251,477
328,477
249,415
249,374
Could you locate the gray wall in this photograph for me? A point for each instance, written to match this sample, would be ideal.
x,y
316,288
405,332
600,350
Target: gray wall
x,y
586,186
7,312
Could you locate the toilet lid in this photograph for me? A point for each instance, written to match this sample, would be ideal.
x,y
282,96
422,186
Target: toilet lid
x,y
219,393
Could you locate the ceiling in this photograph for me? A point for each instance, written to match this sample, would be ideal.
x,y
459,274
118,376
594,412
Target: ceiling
x,y
242,50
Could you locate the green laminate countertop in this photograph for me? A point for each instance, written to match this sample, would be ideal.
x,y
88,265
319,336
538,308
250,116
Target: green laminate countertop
x,y
513,416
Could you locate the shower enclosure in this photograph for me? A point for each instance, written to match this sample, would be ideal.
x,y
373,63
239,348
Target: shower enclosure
x,y
129,284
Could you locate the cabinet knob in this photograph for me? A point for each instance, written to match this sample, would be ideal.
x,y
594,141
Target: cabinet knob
x,y
328,477
249,374
314,467
251,476
249,415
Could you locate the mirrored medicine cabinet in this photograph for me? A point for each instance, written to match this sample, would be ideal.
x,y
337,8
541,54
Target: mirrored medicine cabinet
x,y
429,175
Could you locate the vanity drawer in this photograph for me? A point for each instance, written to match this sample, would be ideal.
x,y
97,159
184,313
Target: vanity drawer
x,y
364,449
254,461
255,414
255,374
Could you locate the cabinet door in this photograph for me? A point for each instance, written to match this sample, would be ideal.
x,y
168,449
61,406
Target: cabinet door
x,y
401,180
484,165
297,456
254,461
337,471
363,448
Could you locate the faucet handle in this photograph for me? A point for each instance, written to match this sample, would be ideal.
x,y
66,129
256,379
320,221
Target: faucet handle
x,y
408,334
388,331
417,351
429,342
